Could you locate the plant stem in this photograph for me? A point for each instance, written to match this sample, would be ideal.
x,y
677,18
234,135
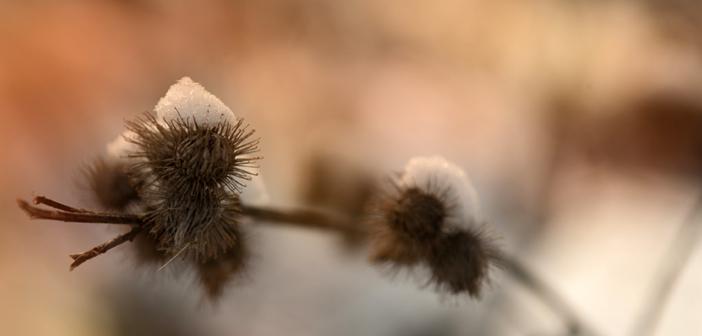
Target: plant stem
x,y
310,219
80,216
297,217
669,270
102,248
573,324
56,205
303,218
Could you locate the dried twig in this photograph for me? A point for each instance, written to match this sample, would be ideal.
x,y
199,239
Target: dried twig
x,y
56,205
78,259
70,214
301,218
77,216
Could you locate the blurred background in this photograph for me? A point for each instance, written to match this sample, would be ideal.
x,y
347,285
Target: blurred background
x,y
580,123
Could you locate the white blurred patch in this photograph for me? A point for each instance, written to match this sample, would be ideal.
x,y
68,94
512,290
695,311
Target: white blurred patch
x,y
255,192
121,147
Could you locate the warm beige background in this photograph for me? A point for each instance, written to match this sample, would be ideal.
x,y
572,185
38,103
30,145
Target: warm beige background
x,y
488,84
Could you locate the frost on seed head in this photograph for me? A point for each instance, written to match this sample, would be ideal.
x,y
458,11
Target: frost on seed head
x,y
434,175
188,100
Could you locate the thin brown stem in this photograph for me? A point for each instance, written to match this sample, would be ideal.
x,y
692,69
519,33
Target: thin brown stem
x,y
78,259
303,218
56,205
310,219
35,212
317,220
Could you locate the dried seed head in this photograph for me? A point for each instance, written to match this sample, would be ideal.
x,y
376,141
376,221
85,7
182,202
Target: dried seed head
x,y
188,156
429,218
111,185
194,157
108,177
203,222
215,274
460,262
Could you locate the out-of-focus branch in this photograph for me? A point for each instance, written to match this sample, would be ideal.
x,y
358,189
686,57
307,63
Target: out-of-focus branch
x,y
310,219
669,270
574,324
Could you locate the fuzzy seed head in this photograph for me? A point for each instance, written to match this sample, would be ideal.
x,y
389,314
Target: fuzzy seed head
x,y
215,274
188,156
194,158
417,215
423,220
203,226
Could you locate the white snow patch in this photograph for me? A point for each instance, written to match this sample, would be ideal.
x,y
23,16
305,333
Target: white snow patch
x,y
435,173
191,101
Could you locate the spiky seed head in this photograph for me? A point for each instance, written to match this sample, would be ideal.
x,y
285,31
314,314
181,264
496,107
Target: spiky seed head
x,y
201,226
429,218
460,262
215,274
417,214
189,156
194,157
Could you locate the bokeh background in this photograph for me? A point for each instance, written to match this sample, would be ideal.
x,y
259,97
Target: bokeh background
x,y
580,123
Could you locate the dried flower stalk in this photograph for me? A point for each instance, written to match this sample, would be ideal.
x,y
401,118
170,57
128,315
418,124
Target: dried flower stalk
x,y
298,218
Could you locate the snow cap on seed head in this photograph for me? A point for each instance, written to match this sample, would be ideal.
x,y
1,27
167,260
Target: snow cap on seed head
x,y
435,174
190,101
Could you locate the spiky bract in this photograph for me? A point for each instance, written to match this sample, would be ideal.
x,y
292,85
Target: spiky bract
x,y
190,157
201,225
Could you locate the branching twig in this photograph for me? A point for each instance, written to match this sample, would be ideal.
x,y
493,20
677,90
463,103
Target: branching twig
x,y
56,205
69,214
302,218
102,248
77,217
